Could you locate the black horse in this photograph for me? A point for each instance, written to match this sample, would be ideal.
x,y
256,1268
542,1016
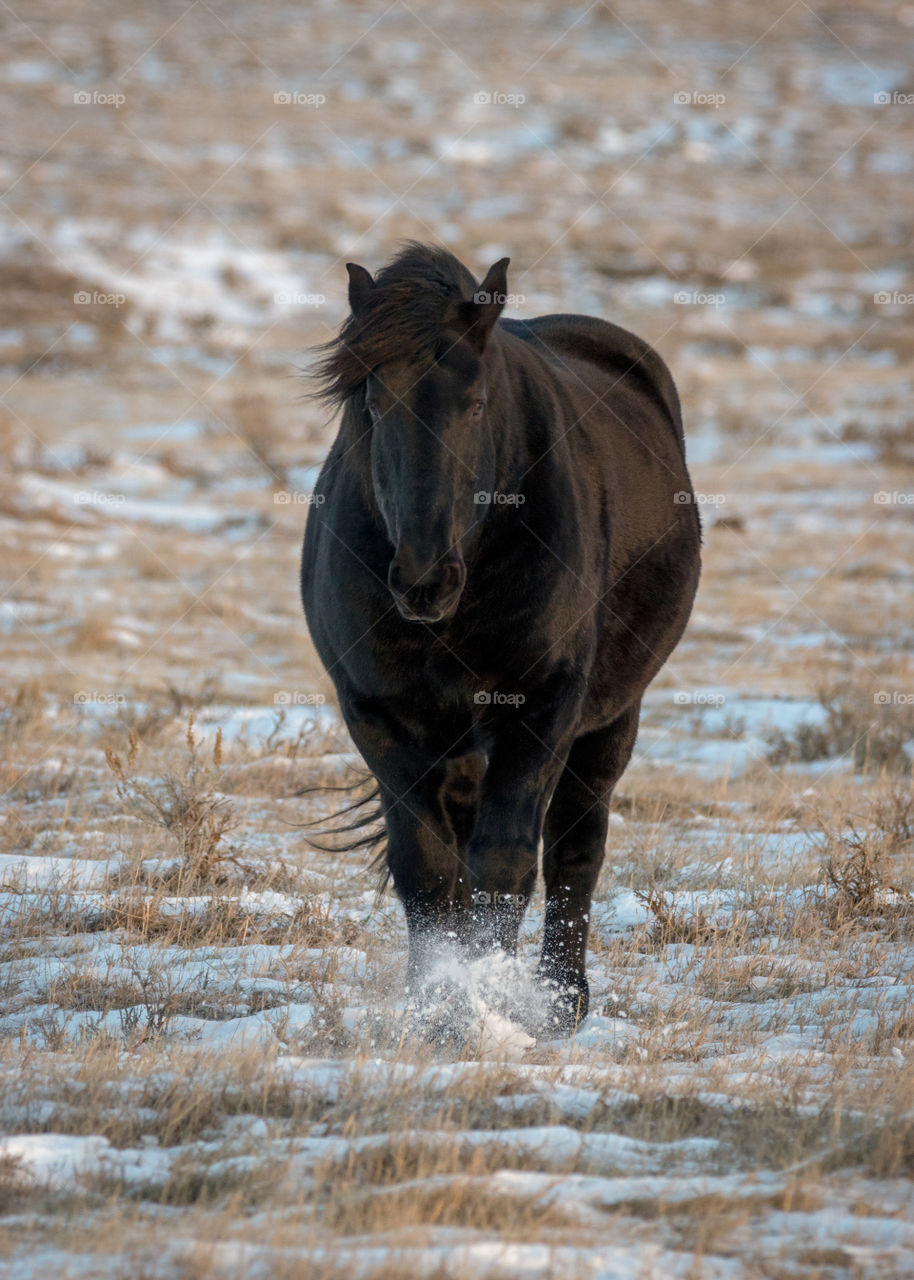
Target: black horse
x,y
505,553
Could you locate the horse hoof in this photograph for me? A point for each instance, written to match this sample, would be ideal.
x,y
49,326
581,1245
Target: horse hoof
x,y
567,1002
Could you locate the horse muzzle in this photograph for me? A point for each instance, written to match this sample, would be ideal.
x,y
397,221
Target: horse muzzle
x,y
430,596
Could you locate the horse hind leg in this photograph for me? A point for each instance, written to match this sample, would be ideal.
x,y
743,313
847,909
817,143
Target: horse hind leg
x,y
573,850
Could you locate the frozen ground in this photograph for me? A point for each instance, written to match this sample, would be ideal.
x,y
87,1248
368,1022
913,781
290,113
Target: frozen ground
x,y
207,1066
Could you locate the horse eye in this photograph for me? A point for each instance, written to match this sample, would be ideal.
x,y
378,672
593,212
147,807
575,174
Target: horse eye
x,y
373,411
478,406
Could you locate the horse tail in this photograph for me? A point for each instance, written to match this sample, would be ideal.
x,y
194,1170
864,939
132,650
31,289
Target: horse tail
x,y
365,830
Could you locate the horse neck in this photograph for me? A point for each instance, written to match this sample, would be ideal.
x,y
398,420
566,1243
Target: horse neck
x,y
508,416
502,421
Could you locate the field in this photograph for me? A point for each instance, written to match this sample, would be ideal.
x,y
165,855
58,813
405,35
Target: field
x,y
207,1064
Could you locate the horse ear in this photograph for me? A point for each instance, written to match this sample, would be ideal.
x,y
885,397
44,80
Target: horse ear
x,y
477,318
361,286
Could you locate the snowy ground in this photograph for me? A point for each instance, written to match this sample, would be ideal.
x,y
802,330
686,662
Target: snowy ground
x,y
207,1067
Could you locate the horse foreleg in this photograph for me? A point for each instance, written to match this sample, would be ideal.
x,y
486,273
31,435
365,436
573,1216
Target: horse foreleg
x,y
527,755
573,851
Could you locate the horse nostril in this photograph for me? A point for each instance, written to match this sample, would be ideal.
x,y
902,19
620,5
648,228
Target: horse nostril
x,y
395,578
450,580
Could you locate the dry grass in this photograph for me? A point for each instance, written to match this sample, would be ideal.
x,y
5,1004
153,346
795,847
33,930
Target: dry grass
x,y
672,926
751,939
860,720
187,805
251,415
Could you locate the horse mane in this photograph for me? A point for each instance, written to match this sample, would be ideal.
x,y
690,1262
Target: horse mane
x,y
404,317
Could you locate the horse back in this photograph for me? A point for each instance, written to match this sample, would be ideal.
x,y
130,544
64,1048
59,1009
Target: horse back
x,y
621,357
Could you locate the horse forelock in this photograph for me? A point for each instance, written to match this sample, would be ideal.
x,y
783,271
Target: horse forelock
x,y
403,318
